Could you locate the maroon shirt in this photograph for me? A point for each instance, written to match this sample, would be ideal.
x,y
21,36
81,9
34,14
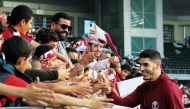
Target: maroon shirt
x,y
160,94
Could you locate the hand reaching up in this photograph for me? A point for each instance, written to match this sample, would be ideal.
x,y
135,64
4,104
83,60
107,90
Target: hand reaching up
x,y
76,70
87,57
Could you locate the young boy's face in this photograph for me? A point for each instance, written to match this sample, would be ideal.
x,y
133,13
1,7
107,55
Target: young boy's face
x,y
73,55
53,44
124,73
50,64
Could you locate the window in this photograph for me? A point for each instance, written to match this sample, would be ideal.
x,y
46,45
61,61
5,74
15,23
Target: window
x,y
168,32
140,43
41,21
143,14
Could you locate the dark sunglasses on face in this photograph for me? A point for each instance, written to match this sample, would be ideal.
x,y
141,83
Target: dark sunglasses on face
x,y
63,26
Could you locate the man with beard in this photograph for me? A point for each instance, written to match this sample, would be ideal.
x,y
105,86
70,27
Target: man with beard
x,y
158,91
61,24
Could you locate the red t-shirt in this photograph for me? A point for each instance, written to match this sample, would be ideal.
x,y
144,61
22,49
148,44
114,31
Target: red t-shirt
x,y
9,32
15,81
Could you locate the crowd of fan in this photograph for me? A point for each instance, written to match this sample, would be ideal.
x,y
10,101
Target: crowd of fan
x,y
55,72
48,70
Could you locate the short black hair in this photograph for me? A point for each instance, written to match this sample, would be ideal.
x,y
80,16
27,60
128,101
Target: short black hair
x,y
59,15
71,49
126,67
16,47
150,53
20,12
41,49
44,36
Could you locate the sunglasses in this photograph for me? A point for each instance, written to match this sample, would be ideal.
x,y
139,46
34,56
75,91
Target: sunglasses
x,y
63,26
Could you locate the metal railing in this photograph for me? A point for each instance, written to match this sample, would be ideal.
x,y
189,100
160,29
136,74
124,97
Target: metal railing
x,y
177,71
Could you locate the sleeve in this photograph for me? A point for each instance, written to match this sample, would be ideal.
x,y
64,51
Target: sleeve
x,y
43,75
98,65
15,81
131,100
174,97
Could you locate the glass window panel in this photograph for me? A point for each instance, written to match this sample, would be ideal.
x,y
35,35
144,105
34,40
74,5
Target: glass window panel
x,y
150,43
149,21
137,20
149,6
136,5
136,44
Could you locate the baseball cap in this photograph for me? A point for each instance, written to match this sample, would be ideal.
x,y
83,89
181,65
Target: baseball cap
x,y
96,40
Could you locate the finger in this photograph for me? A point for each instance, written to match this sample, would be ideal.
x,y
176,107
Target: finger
x,y
89,90
87,95
47,99
45,92
37,80
42,103
96,93
106,99
108,105
103,105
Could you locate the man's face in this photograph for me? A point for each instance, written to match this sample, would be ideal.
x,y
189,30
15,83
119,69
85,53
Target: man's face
x,y
63,26
97,48
27,25
148,69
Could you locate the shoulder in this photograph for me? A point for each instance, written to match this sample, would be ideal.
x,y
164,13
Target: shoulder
x,y
7,34
7,76
170,88
12,80
169,83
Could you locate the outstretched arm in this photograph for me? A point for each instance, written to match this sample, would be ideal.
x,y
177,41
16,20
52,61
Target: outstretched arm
x,y
92,103
30,92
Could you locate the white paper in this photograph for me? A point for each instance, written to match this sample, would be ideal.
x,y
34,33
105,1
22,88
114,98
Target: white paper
x,y
128,86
